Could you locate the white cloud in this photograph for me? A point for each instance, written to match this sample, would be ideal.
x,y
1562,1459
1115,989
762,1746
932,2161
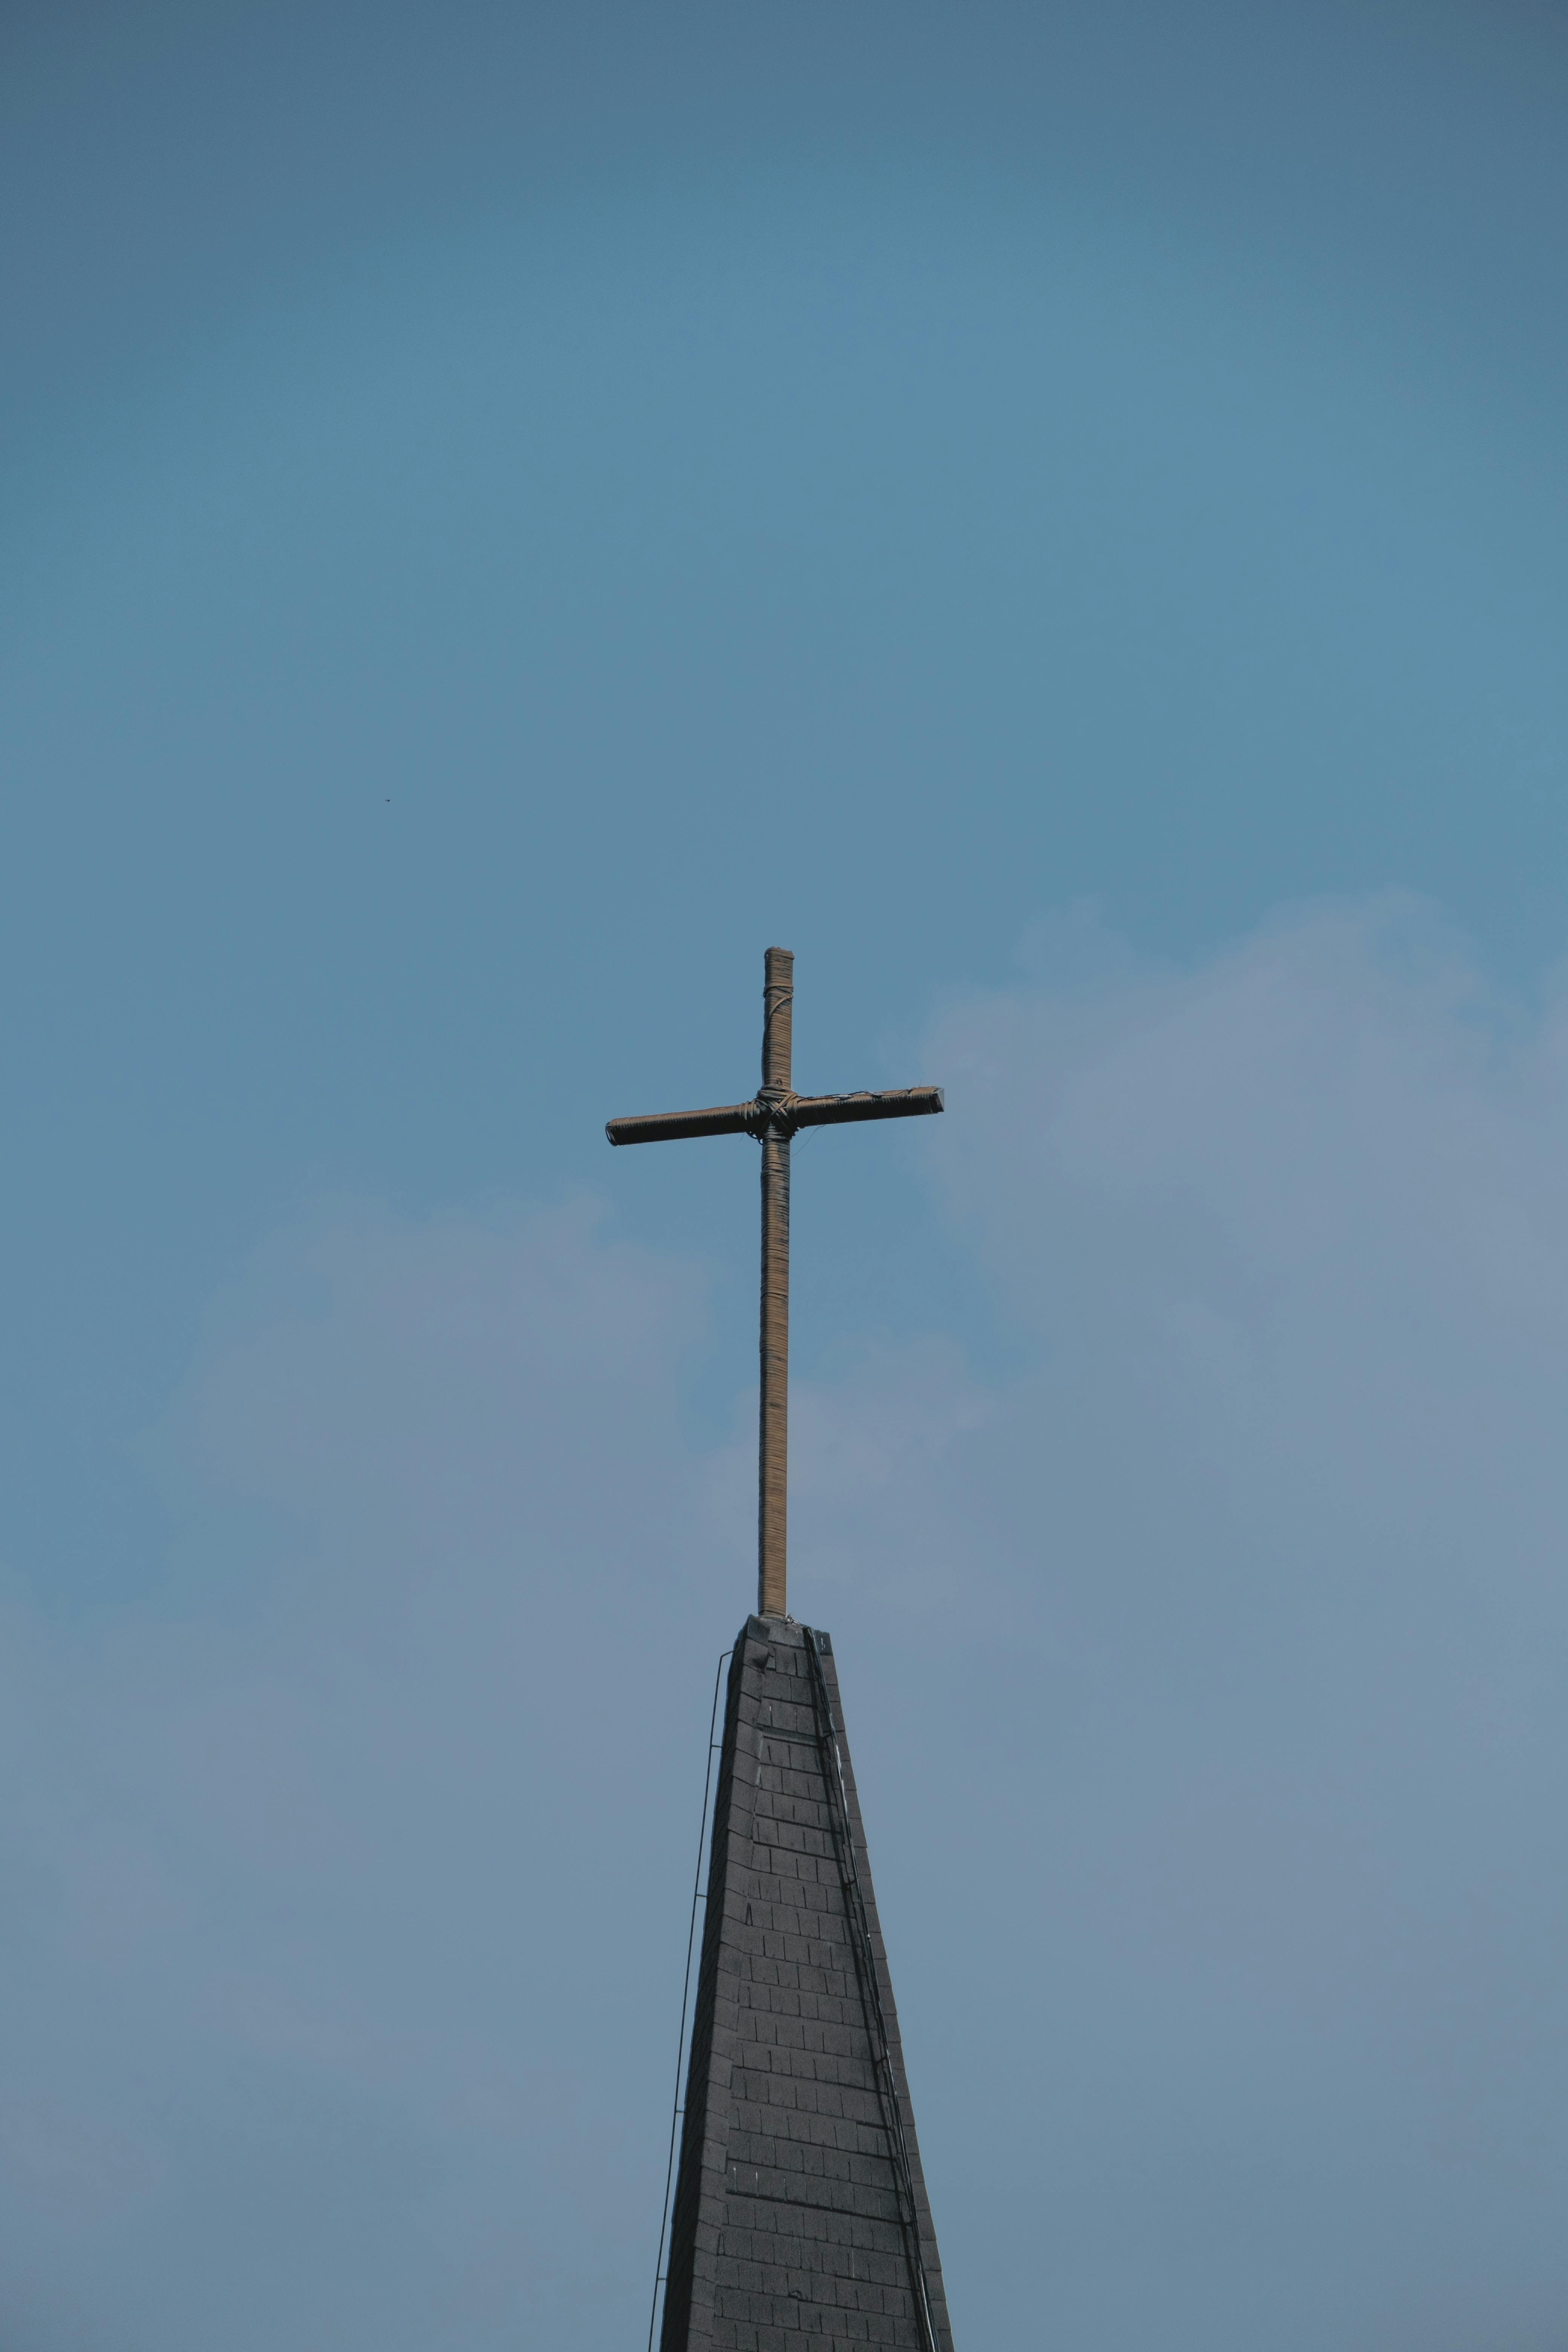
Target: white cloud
x,y
1288,1492
338,1877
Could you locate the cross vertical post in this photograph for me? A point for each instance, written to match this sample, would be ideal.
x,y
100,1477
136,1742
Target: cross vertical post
x,y
773,1416
771,1118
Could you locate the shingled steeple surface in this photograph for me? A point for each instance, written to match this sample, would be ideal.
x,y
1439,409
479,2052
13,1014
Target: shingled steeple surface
x,y
800,2214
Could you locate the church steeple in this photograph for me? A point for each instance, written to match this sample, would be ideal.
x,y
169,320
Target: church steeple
x,y
800,2207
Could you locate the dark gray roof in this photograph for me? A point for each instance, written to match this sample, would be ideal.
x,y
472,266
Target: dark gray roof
x,y
800,2208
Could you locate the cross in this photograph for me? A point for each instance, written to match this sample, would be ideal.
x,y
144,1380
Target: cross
x,y
772,1117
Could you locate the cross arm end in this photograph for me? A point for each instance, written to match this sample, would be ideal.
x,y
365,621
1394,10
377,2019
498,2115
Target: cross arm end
x,y
674,1126
838,1110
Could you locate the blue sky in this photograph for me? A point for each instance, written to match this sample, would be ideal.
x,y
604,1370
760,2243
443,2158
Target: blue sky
x,y
1057,516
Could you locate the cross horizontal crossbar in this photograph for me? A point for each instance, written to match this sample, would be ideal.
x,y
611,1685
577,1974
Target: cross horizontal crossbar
x,y
780,1114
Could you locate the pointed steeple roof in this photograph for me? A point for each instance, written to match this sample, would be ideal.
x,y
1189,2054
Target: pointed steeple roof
x,y
800,2210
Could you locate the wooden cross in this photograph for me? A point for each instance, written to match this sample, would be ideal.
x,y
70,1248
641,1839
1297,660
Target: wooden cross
x,y
772,1117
